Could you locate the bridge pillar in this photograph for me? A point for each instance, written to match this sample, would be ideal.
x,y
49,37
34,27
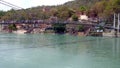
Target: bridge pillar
x,y
1,27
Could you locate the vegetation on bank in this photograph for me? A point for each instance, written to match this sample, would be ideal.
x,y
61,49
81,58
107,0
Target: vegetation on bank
x,y
80,28
12,27
59,27
103,9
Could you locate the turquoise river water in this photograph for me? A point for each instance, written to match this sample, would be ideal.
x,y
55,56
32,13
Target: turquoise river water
x,y
58,51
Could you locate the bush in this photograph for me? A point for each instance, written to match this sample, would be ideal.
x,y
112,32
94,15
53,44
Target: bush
x,y
59,27
12,27
74,18
81,28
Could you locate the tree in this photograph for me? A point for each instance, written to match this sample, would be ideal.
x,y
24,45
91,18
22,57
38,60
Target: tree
x,y
81,28
59,27
83,8
53,12
64,13
99,8
2,13
106,8
10,15
112,7
12,27
74,17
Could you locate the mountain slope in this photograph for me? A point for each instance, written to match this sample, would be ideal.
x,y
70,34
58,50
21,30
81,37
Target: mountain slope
x,y
78,3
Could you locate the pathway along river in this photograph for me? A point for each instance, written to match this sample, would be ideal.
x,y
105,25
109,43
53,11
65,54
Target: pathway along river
x,y
58,51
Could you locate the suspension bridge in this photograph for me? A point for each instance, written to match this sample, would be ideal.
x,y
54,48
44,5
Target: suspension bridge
x,y
33,22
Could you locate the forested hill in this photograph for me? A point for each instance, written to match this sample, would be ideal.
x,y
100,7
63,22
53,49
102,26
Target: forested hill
x,y
77,3
99,8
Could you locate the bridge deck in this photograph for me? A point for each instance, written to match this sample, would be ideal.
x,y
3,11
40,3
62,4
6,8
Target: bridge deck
x,y
74,23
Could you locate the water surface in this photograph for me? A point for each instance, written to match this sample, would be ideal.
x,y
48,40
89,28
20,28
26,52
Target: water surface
x,y
58,51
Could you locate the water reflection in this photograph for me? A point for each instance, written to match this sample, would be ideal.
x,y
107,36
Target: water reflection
x,y
116,47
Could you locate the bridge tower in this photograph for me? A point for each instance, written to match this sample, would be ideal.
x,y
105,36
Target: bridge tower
x,y
116,24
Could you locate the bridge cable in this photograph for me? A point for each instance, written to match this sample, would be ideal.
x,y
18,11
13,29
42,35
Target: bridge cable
x,y
10,5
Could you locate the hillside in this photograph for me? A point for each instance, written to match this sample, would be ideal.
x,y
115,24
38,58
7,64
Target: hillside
x,y
100,8
78,3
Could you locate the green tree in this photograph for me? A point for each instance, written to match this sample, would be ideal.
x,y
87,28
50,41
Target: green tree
x,y
112,7
9,15
2,13
83,8
64,13
59,27
81,28
53,12
12,27
74,17
99,8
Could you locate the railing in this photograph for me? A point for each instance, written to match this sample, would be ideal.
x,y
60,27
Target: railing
x,y
46,22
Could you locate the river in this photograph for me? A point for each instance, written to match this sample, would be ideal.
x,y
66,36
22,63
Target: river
x,y
58,51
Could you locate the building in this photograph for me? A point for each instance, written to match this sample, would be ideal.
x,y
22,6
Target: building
x,y
83,17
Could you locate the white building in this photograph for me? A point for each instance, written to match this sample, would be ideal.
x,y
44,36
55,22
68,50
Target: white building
x,y
83,17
